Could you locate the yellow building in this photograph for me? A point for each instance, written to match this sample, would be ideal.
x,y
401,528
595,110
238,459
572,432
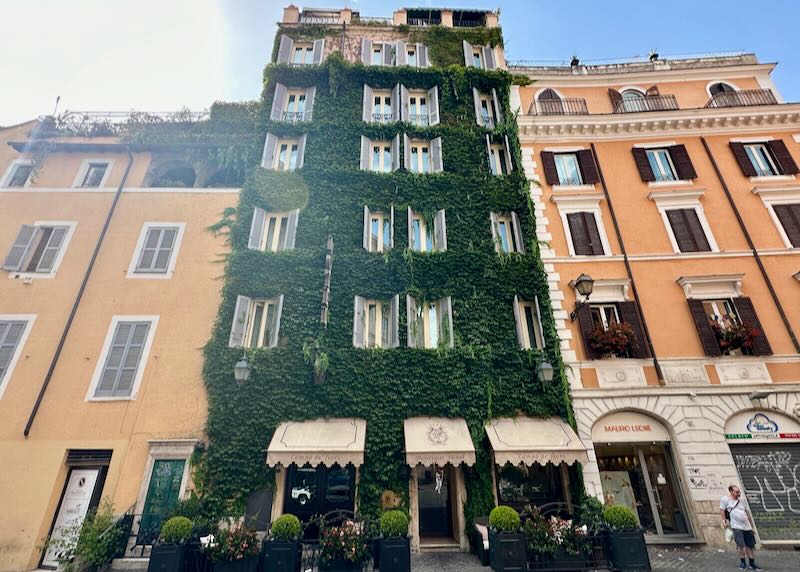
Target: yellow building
x,y
672,184
108,293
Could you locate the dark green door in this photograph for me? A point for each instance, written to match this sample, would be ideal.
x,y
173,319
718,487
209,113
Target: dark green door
x,y
162,494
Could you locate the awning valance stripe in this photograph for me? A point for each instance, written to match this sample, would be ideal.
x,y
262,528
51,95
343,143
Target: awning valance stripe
x,y
528,441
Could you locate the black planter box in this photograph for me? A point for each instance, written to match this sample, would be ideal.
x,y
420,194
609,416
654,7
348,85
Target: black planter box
x,y
340,565
245,565
628,551
395,554
167,557
507,551
280,556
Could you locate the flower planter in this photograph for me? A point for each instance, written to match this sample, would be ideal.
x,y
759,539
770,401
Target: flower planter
x,y
280,556
167,557
628,551
339,565
395,554
244,565
507,551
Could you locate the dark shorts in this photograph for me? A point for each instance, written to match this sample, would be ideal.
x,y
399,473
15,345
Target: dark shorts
x,y
744,538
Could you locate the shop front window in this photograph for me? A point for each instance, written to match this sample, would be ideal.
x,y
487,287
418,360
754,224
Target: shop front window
x,y
521,486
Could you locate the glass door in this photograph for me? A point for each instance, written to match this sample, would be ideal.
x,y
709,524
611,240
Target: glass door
x,y
312,491
435,510
163,492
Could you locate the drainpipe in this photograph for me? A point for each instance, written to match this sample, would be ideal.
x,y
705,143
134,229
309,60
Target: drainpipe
x,y
751,245
78,297
635,292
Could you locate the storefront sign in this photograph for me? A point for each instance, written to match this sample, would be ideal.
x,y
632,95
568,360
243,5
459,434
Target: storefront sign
x,y
761,425
74,506
628,427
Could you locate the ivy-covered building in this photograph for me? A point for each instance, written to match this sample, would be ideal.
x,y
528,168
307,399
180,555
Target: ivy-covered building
x,y
384,304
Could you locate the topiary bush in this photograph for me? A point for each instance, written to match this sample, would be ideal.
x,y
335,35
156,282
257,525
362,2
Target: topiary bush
x,y
394,523
590,513
620,517
286,527
176,530
504,519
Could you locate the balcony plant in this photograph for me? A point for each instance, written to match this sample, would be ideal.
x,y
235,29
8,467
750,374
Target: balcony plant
x,y
281,550
628,551
734,337
395,545
507,551
169,553
234,550
618,340
343,547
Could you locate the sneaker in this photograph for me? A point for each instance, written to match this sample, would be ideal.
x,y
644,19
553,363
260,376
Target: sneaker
x,y
742,566
755,567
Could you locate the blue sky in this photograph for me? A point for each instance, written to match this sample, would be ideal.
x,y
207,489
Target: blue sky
x,y
162,55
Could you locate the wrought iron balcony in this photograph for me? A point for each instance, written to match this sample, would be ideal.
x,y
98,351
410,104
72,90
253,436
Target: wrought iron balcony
x,y
382,117
647,103
743,98
564,106
296,116
424,22
320,19
419,119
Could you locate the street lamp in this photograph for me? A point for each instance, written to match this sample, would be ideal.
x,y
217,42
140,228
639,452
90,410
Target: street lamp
x,y
242,369
584,284
545,371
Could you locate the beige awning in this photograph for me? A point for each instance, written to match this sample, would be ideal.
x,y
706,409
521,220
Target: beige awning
x,y
438,440
525,440
320,441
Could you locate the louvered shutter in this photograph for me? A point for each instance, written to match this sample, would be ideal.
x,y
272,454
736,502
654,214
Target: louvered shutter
x,y
687,230
422,56
519,324
433,106
476,100
744,161
291,229
400,104
440,231
489,155
539,319
240,313
402,54
643,164
507,150
593,232
652,91
19,249
467,53
489,62
782,157
683,163
276,113
311,94
256,228
391,226
406,152
585,236
369,97
411,322
517,228
366,51
497,108
549,167
747,314
268,157
446,320
48,257
358,321
394,321
588,168
616,99
629,313
410,222
583,315
365,238
366,149
388,54
319,51
707,338
494,224
396,152
273,342
789,217
301,150
436,155
285,50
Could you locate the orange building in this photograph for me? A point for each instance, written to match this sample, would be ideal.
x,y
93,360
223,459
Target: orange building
x,y
671,185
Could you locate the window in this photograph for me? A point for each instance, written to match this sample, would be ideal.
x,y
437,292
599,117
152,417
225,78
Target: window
x,y
303,53
13,331
481,57
300,53
585,235
19,174
424,239
568,168
382,111
764,159
548,102
92,174
38,248
124,353
430,324
286,158
411,55
685,221
378,53
723,318
283,154
604,315
720,87
529,324
256,322
661,164
666,164
380,156
378,230
272,231
418,109
420,161
295,105
789,217
687,230
507,233
499,160
487,108
761,160
292,104
477,58
375,323
157,249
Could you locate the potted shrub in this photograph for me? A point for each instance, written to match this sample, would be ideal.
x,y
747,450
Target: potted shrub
x,y
234,550
169,553
556,543
395,545
628,551
343,547
507,551
733,336
616,341
281,550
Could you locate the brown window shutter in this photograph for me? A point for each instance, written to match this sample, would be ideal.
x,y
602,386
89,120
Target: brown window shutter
x,y
616,99
629,313
707,337
588,168
643,164
782,156
747,314
683,164
584,319
687,230
594,235
744,161
789,215
585,236
652,90
549,166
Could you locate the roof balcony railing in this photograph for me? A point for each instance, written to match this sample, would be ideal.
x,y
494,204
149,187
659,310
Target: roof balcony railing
x,y
320,20
743,98
563,106
647,103
424,21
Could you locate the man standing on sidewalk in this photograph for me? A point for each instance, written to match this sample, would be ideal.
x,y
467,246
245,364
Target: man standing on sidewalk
x,y
736,514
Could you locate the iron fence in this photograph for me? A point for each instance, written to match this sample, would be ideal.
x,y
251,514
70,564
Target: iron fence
x,y
743,98
563,106
647,103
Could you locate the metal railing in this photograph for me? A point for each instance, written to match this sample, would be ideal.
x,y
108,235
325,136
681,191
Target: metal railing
x,y
424,22
421,119
372,20
320,20
487,122
647,103
467,24
743,98
564,106
382,117
296,116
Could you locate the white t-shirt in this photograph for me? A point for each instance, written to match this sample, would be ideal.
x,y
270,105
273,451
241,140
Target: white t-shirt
x,y
738,512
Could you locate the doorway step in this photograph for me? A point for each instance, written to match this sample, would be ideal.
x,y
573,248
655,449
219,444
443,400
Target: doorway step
x,y
439,544
671,539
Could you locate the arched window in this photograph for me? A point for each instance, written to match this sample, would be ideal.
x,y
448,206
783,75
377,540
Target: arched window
x,y
549,103
549,94
632,94
720,87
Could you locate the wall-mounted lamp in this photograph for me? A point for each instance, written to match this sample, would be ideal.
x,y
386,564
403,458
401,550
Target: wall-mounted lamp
x,y
583,285
242,369
545,371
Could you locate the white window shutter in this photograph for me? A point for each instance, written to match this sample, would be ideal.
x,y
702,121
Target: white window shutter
x,y
268,158
422,56
446,310
291,230
396,152
319,51
507,150
278,100
366,112
488,58
391,226
365,238
257,228
301,150
436,155
406,152
394,322
388,54
440,231
497,108
433,106
359,305
311,94
240,313
539,320
285,50
489,155
399,103
48,257
520,326
495,225
273,342
411,244
366,153
411,322
467,54
19,249
366,51
476,99
517,233
400,48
